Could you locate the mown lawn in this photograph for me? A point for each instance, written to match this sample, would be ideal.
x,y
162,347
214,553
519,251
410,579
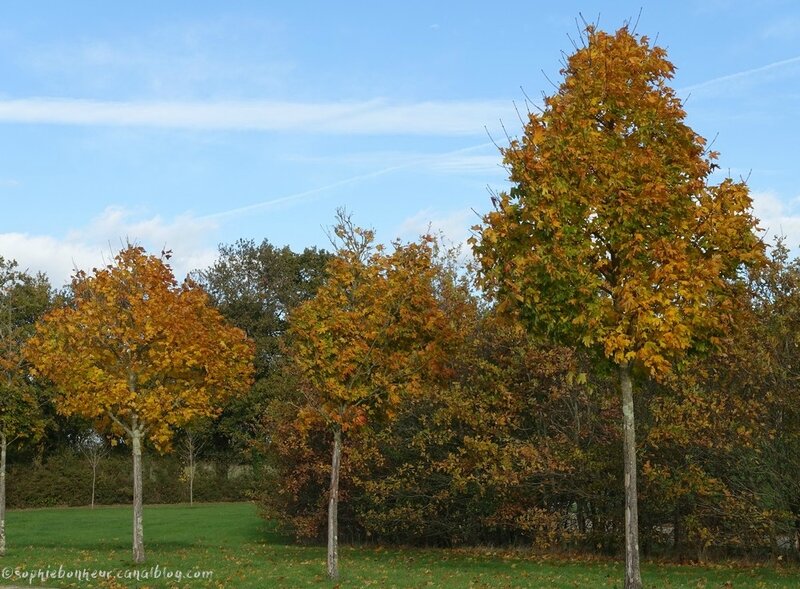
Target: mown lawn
x,y
243,552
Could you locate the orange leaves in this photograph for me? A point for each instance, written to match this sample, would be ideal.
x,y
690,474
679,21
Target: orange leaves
x,y
141,348
611,234
371,332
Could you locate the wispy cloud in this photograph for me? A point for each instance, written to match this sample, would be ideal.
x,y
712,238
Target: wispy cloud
x,y
472,164
457,162
372,117
95,244
228,55
785,29
296,197
419,161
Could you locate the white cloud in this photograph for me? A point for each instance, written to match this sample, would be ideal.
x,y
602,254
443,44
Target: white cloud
x,y
372,117
95,244
454,226
778,217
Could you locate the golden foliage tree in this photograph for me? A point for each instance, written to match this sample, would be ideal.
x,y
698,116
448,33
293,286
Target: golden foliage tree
x,y
141,355
364,341
612,235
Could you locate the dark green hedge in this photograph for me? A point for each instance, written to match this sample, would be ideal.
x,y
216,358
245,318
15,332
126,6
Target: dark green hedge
x,y
66,480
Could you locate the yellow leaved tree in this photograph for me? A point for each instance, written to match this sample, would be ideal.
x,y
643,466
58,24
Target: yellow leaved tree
x,y
611,235
141,355
371,336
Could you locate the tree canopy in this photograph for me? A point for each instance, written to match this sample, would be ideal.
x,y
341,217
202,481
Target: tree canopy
x,y
140,355
612,235
136,351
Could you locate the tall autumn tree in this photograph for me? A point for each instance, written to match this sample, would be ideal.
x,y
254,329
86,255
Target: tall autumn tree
x,y
612,234
23,299
364,341
141,355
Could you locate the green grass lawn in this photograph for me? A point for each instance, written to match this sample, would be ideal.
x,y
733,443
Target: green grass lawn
x,y
241,550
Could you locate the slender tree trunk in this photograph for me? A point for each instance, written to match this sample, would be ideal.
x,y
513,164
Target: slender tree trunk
x,y
3,445
191,471
633,577
333,507
190,449
138,541
94,479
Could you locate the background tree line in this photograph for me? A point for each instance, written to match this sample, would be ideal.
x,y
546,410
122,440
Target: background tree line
x,y
514,439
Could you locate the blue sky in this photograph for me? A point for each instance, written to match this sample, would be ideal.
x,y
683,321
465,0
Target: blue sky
x,y
189,124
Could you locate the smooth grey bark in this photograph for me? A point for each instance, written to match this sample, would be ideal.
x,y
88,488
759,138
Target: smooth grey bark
x,y
138,540
633,576
191,484
94,452
3,446
94,481
333,507
191,446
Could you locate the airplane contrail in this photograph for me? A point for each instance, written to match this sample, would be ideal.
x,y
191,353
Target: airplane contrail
x,y
432,158
742,74
267,204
